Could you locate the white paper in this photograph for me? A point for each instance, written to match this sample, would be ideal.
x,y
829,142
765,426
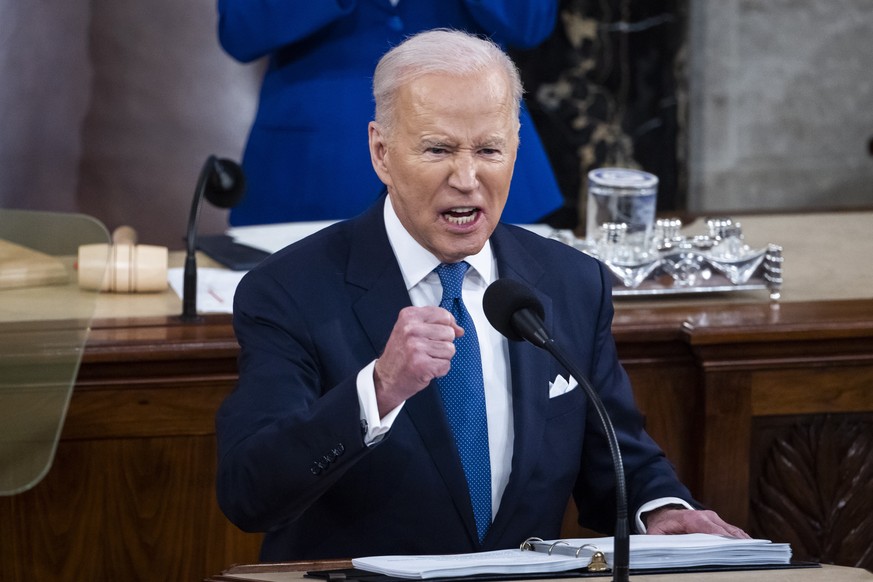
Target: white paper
x,y
688,550
215,288
273,237
494,562
646,552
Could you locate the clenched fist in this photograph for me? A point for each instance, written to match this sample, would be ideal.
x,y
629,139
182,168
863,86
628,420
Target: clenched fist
x,y
419,349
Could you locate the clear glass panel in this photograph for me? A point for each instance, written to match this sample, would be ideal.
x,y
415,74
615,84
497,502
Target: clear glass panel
x,y
44,323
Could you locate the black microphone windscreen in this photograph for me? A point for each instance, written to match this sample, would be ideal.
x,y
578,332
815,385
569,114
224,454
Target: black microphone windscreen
x,y
226,184
503,299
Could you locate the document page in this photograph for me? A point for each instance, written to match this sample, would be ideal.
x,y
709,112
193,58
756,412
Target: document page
x,y
513,561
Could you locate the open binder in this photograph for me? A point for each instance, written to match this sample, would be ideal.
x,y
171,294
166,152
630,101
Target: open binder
x,y
586,556
668,551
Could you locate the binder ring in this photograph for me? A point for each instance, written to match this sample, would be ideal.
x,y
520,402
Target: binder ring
x,y
559,542
583,546
528,544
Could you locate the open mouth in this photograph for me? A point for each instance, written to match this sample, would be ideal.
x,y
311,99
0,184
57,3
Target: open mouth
x,y
461,215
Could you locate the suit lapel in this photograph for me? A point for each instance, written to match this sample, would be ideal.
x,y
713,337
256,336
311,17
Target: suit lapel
x,y
425,409
374,276
529,371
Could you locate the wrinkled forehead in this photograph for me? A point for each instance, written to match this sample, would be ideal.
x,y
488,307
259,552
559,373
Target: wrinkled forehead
x,y
482,99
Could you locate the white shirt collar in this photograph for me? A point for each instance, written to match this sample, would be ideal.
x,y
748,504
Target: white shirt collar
x,y
416,262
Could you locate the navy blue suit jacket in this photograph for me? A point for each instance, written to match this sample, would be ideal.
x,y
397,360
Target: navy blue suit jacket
x,y
312,315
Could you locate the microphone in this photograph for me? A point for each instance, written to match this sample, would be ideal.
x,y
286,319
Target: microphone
x,y
222,183
514,311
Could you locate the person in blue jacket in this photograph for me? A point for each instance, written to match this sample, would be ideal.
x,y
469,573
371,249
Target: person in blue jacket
x,y
306,156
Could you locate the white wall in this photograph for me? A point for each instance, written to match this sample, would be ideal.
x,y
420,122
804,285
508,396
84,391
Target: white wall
x,y
781,111
110,108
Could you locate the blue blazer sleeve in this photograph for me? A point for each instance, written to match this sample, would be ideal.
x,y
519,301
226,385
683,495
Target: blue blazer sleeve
x,y
249,30
280,422
516,23
291,430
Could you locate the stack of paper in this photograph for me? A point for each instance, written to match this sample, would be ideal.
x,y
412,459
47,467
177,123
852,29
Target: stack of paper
x,y
456,565
646,552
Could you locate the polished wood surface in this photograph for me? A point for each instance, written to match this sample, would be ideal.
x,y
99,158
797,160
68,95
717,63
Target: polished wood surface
x,y
131,493
748,398
131,490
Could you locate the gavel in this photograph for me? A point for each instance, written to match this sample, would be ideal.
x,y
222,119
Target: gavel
x,y
123,266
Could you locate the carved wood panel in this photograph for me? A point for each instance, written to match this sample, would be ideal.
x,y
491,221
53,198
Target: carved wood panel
x,y
812,486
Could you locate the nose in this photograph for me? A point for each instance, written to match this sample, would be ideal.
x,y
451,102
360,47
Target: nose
x,y
465,173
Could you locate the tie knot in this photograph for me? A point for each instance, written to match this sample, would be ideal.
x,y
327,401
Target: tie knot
x,y
452,278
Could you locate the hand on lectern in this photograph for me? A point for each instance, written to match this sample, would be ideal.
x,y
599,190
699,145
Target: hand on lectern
x,y
673,520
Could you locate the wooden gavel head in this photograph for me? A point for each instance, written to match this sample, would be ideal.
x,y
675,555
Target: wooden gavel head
x,y
123,266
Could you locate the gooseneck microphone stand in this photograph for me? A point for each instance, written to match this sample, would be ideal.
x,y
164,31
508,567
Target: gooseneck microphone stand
x,y
621,557
514,311
221,182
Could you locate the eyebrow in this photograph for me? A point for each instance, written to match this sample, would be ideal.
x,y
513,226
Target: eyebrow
x,y
430,142
490,141
494,141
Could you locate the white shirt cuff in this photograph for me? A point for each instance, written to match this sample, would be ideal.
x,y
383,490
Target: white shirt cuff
x,y
374,427
655,504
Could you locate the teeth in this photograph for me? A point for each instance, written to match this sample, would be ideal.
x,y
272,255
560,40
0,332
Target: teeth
x,y
460,219
461,215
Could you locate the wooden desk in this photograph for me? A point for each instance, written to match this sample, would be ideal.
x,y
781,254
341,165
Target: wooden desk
x,y
766,412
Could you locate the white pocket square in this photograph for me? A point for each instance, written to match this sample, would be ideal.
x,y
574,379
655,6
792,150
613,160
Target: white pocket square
x,y
561,386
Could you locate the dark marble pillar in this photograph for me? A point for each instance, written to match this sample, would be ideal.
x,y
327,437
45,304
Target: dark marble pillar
x,y
607,89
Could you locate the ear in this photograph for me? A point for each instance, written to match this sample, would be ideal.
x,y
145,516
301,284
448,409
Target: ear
x,y
379,152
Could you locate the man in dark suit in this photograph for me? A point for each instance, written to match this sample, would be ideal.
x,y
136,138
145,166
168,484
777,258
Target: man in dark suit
x,y
336,442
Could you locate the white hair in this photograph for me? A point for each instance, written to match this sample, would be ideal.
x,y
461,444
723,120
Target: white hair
x,y
443,51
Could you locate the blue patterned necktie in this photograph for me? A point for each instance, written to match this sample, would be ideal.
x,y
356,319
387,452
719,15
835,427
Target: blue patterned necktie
x,y
463,394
